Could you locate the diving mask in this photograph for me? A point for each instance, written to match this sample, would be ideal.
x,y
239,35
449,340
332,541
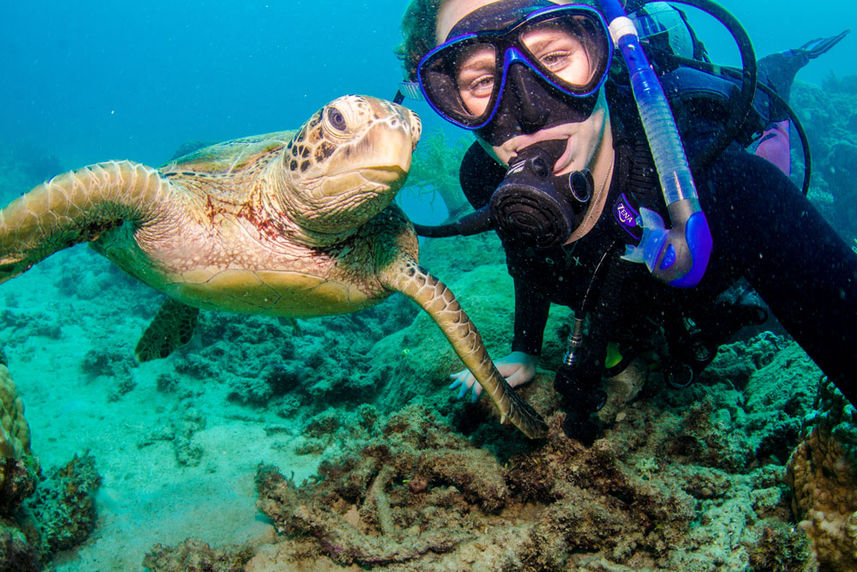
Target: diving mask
x,y
467,79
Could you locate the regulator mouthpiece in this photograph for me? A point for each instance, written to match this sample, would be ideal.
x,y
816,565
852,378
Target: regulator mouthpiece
x,y
534,207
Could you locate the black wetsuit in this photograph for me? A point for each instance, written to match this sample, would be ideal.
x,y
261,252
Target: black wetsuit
x,y
763,228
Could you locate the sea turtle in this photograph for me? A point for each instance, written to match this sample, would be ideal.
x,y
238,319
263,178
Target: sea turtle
x,y
295,224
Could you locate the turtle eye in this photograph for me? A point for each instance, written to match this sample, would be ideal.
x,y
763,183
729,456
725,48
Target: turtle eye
x,y
336,119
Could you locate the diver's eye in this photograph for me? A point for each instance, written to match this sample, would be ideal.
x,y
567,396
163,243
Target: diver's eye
x,y
336,119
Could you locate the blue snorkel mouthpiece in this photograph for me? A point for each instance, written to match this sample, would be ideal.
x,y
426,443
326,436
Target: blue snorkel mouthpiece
x,y
678,255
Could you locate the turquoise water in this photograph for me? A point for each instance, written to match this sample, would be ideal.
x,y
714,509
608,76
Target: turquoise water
x,y
109,79
178,441
117,79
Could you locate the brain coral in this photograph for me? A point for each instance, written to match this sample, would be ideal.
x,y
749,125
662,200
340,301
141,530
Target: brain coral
x,y
822,472
18,468
14,430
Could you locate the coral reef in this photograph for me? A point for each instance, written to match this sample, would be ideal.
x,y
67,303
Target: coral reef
x,y
828,116
18,474
822,473
19,325
298,368
108,362
62,510
420,496
14,430
39,515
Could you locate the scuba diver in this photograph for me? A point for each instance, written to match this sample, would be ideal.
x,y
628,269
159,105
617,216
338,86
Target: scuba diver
x,y
580,157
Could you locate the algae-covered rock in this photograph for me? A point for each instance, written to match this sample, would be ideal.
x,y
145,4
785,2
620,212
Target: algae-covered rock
x,y
62,511
417,496
194,554
779,396
452,257
822,473
737,362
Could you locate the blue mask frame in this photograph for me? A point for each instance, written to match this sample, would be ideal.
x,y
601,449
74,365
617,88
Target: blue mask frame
x,y
434,84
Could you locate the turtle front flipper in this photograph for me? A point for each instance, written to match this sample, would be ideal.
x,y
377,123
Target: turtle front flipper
x,y
171,328
75,207
435,298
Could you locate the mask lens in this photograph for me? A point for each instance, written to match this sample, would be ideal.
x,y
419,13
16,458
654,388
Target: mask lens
x,y
568,49
462,78
475,70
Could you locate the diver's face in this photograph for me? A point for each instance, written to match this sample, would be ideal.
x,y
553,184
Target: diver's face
x,y
582,138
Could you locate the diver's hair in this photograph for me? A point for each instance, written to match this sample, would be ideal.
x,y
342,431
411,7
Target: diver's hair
x,y
418,28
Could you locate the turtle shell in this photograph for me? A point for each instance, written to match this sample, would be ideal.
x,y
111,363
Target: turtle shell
x,y
232,155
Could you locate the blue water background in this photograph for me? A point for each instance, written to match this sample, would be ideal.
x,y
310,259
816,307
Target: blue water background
x,y
99,80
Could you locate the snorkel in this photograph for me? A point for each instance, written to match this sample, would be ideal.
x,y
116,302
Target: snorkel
x,y
678,255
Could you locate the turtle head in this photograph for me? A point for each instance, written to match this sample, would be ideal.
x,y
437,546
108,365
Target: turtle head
x,y
347,162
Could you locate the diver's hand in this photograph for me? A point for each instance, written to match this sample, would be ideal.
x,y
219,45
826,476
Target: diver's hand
x,y
518,368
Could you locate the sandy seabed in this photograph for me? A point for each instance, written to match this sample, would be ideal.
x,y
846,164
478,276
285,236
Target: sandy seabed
x,y
145,497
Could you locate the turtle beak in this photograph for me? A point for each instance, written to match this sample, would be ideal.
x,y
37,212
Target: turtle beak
x,y
397,117
382,155
385,176
395,141
392,150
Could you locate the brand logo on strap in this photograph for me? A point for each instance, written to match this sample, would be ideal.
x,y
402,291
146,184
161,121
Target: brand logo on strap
x,y
626,216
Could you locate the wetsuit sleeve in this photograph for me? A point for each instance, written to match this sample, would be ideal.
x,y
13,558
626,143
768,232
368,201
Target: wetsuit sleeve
x,y
531,316
765,229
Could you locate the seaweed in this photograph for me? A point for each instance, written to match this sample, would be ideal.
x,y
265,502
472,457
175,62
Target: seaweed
x,y
434,169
